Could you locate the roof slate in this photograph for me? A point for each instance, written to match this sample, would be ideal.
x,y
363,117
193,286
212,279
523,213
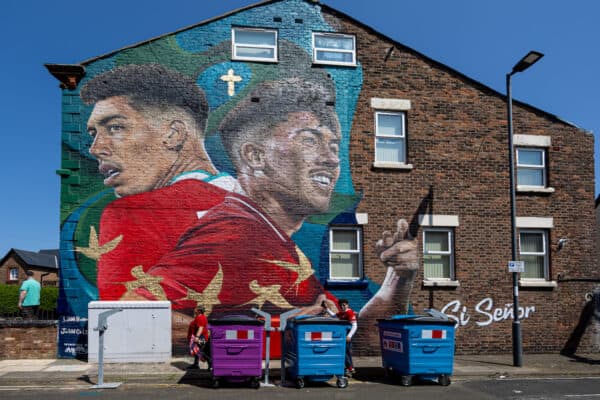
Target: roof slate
x,y
43,258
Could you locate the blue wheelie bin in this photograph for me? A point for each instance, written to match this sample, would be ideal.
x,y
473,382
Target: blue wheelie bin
x,y
313,349
417,345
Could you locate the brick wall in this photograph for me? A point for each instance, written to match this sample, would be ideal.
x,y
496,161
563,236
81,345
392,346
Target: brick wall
x,y
597,235
24,339
457,143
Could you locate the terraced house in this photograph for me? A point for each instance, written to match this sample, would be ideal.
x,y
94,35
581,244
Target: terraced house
x,y
285,154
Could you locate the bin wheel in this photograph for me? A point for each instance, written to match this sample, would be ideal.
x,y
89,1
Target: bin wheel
x,y
444,380
342,382
406,380
388,372
299,383
214,383
254,383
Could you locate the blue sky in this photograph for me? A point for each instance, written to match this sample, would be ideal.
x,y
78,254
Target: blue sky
x,y
481,39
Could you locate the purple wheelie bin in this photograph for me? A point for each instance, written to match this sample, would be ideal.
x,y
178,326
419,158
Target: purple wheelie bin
x,y
236,343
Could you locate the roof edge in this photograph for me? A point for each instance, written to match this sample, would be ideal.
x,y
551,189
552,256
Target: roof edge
x,y
20,253
68,75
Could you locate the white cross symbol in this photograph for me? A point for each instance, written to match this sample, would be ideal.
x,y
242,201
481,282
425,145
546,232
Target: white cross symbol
x,y
231,79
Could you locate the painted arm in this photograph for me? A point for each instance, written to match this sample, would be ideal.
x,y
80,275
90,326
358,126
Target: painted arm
x,y
398,252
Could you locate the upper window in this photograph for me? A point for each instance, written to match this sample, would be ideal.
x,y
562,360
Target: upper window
x,y
438,254
345,258
13,274
390,137
254,44
531,166
334,48
533,246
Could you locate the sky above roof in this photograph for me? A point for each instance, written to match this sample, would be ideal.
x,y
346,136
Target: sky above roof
x,y
481,39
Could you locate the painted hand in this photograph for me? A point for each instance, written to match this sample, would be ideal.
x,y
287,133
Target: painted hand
x,y
398,250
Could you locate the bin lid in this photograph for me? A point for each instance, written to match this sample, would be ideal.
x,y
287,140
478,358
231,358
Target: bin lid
x,y
311,319
416,319
235,320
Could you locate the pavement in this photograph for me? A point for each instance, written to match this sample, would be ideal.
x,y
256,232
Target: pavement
x,y
70,372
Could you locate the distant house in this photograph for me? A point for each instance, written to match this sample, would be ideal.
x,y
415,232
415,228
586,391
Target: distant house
x,y
44,265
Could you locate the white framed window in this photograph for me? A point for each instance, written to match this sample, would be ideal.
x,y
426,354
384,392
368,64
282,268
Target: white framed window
x,y
533,249
390,137
345,253
531,167
438,253
13,274
254,44
334,49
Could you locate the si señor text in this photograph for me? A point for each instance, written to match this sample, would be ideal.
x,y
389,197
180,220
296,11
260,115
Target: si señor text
x,y
486,314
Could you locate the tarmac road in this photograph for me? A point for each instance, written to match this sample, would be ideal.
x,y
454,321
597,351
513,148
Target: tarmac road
x,y
486,389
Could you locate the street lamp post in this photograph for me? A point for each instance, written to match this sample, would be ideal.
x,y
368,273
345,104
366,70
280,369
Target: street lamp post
x,y
531,58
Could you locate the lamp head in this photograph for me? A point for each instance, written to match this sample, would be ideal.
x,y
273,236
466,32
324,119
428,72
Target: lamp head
x,y
531,58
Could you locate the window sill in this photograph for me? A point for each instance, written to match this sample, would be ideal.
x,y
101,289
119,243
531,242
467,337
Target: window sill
x,y
440,283
259,60
392,165
337,64
534,189
540,283
346,283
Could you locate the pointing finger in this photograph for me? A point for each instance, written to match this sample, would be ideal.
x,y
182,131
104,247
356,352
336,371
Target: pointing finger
x,y
402,232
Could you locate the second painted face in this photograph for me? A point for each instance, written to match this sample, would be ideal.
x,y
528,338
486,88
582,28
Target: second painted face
x,y
128,145
302,163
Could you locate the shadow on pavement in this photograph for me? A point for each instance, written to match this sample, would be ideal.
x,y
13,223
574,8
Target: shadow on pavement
x,y
585,360
480,361
182,365
86,379
377,375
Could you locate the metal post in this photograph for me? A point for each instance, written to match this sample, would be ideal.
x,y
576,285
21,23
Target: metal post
x,y
268,330
101,328
516,325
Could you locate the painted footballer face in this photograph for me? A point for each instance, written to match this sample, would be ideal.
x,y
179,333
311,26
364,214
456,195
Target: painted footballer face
x,y
302,163
128,146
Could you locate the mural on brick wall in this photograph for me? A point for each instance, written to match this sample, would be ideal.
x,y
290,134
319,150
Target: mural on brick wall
x,y
210,181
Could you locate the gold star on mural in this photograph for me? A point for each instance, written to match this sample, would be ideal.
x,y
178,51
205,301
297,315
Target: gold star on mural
x,y
231,79
303,268
152,283
267,293
94,250
210,295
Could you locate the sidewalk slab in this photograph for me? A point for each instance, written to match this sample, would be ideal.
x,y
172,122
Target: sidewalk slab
x,y
466,367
